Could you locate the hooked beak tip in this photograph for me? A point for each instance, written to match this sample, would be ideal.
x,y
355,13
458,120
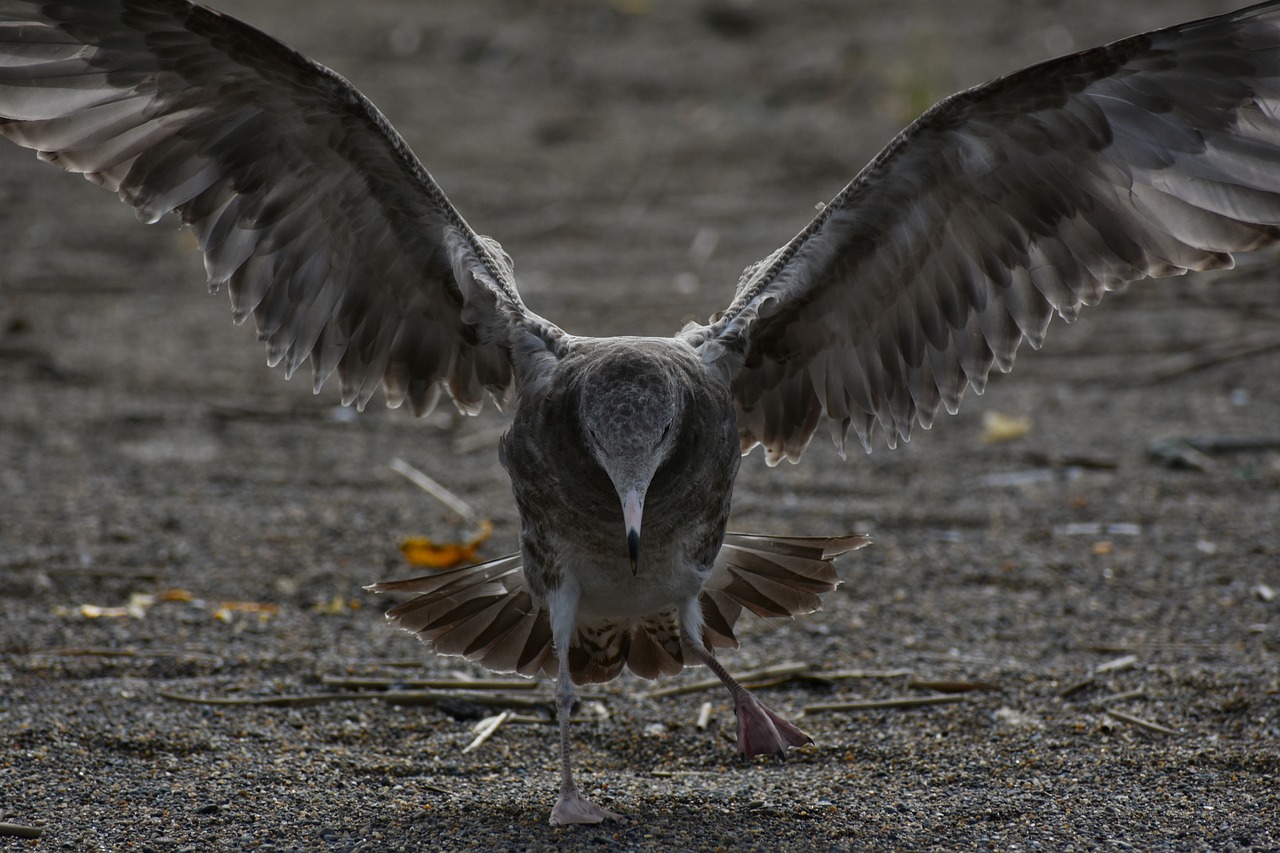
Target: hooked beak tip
x,y
633,550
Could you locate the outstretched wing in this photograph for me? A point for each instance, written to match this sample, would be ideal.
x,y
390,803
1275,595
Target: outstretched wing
x,y
305,201
1030,195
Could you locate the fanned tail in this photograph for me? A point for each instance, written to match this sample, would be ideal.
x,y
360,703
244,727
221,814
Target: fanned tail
x,y
485,613
772,576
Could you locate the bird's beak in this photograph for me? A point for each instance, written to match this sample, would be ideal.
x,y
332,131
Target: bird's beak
x,y
632,509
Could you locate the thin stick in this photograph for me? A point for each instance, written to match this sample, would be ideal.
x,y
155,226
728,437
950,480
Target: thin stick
x,y
18,830
271,701
1139,722
437,491
527,720
875,704
1120,663
433,683
125,652
953,686
485,729
436,788
105,572
850,674
391,697
1238,350
530,720
476,697
1072,689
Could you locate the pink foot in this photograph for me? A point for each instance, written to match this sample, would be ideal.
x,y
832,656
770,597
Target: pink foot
x,y
572,807
762,732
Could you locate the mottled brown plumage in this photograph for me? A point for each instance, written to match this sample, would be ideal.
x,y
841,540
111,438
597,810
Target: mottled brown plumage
x,y
1030,196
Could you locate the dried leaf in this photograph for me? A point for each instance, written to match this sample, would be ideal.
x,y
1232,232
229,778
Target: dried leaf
x,y
422,551
335,606
93,611
997,427
226,608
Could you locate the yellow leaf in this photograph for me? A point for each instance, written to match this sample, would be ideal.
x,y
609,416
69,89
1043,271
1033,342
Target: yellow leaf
x,y
335,607
224,610
93,611
997,427
422,551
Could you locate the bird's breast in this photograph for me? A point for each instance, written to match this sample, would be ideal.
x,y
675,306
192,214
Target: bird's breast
x,y
609,590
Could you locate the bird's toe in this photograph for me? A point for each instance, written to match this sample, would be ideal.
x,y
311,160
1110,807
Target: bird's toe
x,y
763,732
572,807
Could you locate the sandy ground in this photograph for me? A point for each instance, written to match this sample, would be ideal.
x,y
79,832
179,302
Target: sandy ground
x,y
633,157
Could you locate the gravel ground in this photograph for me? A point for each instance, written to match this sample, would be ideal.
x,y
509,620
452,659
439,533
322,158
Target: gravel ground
x,y
1119,615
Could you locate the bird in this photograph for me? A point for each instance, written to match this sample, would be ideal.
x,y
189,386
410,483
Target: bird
x,y
1002,206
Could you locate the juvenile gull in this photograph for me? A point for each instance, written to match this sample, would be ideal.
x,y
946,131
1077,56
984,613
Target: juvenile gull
x,y
1001,206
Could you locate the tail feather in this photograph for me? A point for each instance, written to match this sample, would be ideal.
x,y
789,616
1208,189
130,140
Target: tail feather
x,y
810,547
485,613
772,576
655,649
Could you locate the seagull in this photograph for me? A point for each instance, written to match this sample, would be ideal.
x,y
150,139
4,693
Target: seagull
x,y
1001,206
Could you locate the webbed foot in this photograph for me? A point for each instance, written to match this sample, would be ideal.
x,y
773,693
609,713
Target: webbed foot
x,y
763,732
572,807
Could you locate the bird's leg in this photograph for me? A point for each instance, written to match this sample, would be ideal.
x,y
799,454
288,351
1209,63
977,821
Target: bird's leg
x,y
760,730
571,806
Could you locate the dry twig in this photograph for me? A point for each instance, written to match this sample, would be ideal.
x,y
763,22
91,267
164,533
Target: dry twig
x,y
954,686
430,683
1076,686
485,729
876,704
391,697
852,674
1139,722
125,652
18,830
1117,665
1213,357
436,490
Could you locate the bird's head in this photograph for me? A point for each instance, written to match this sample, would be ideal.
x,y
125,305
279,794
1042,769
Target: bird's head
x,y
630,411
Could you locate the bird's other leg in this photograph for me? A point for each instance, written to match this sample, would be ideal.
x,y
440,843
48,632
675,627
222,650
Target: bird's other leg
x,y
571,806
761,731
